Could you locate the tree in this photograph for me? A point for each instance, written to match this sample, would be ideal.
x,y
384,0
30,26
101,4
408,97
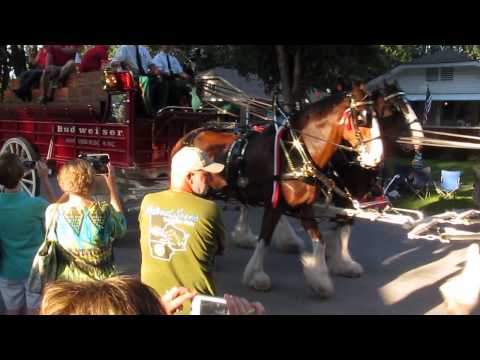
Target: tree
x,y
296,68
18,59
4,69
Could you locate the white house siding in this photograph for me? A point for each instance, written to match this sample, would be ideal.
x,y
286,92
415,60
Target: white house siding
x,y
466,80
456,103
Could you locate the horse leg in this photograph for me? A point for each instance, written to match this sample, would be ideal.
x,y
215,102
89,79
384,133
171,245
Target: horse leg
x,y
242,235
315,265
339,259
285,238
254,276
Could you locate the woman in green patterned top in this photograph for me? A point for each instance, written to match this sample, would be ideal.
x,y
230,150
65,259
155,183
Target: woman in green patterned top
x,y
84,229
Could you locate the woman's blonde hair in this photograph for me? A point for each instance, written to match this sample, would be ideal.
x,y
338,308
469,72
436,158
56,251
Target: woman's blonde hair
x,y
120,295
76,177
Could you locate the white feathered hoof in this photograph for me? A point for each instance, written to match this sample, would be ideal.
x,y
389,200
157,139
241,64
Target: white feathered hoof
x,y
286,240
345,268
244,238
317,277
259,281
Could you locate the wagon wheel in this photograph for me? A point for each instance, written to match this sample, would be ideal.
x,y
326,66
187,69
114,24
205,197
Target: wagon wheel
x,y
25,151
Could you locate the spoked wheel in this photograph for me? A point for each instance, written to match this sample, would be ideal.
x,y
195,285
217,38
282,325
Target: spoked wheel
x,y
19,146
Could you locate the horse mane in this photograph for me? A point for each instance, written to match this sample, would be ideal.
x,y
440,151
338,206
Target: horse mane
x,y
188,138
318,108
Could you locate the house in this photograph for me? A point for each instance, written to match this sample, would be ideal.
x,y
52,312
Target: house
x,y
454,82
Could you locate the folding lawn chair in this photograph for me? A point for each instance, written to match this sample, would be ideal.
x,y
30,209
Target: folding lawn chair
x,y
449,184
396,183
420,182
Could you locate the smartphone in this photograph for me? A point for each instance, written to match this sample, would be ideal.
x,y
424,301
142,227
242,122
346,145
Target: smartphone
x,y
209,305
29,164
98,161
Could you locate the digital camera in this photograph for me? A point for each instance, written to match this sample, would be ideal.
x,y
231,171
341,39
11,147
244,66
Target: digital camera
x,y
97,161
209,305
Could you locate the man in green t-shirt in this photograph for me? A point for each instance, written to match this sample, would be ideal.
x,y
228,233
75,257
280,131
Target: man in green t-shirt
x,y
181,232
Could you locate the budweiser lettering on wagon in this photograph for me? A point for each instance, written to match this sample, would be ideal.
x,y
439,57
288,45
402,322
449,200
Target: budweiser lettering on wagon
x,y
85,130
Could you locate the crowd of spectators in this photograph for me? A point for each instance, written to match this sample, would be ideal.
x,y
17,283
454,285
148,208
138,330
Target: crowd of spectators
x,y
181,233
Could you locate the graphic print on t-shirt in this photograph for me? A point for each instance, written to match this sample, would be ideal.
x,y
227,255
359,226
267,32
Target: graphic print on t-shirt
x,y
167,233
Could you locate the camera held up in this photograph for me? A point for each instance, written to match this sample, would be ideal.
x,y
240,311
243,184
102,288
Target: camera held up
x,y
99,162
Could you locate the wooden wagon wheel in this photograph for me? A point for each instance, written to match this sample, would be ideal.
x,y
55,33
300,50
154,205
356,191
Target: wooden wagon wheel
x,y
25,151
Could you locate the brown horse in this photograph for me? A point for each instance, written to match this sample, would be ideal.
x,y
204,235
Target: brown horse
x,y
318,130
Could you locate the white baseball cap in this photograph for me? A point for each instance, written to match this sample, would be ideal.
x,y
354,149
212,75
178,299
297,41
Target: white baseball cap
x,y
193,159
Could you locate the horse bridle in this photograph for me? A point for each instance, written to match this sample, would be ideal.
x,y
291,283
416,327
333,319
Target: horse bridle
x,y
308,168
388,98
356,116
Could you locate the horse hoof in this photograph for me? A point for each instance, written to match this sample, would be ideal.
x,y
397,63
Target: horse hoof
x,y
320,292
317,277
350,269
323,289
260,282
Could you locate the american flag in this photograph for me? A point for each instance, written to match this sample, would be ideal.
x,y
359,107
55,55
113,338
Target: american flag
x,y
428,105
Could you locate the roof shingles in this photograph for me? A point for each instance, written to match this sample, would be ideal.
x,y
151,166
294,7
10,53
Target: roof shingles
x,y
441,57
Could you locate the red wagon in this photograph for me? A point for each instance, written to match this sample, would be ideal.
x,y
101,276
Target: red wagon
x,y
85,118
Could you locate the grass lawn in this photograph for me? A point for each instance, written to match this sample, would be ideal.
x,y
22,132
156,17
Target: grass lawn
x,y
435,203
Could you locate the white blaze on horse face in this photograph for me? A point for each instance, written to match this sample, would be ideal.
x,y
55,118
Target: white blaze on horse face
x,y
372,154
414,124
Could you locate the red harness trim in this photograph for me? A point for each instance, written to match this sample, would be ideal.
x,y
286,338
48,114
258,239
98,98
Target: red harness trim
x,y
277,166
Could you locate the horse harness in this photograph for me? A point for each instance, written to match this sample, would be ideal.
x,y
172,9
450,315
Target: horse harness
x,y
299,162
298,159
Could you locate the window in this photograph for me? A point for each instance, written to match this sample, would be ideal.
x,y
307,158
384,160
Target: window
x,y
431,74
446,74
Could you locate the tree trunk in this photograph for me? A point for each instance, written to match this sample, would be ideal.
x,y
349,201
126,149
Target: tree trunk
x,y
4,70
284,69
297,74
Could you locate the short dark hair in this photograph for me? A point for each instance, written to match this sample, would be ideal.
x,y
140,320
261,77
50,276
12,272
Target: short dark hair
x,y
11,170
120,295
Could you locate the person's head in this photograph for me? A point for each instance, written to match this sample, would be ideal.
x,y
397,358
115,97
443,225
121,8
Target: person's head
x,y
121,295
76,177
11,170
166,48
191,169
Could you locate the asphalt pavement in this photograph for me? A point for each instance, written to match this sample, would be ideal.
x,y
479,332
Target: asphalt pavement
x,y
401,276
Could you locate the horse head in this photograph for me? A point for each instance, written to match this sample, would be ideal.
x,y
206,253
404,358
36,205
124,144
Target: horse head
x,y
361,129
396,116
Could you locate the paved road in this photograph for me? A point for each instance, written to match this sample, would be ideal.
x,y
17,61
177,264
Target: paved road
x,y
401,276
